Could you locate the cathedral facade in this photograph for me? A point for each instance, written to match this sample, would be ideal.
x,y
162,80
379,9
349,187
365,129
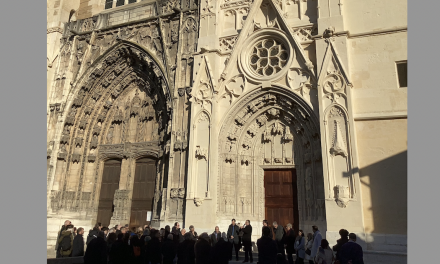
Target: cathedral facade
x,y
203,111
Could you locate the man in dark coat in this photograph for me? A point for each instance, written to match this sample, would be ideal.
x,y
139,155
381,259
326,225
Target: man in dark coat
x,y
96,252
247,244
220,252
153,248
289,241
215,236
267,248
182,249
202,249
190,250
93,233
182,234
232,236
178,237
340,242
351,251
169,250
78,243
120,251
63,228
279,235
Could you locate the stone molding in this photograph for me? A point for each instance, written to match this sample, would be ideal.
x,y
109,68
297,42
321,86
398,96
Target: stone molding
x,y
55,29
381,115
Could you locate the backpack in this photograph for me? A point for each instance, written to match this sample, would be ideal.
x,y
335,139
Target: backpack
x,y
66,243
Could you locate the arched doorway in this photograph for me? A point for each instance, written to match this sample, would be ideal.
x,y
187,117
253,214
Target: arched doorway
x,y
119,109
270,141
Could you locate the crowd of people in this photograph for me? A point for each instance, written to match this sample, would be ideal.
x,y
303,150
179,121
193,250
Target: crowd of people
x,y
147,245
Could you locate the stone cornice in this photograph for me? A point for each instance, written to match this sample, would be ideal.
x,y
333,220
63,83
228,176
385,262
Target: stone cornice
x,y
381,115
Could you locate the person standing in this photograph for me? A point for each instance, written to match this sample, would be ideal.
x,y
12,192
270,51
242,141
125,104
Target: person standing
x,y
289,240
300,247
167,232
65,242
316,241
176,228
168,250
220,252
340,242
308,249
232,235
267,248
182,249
118,229
96,252
181,236
190,250
279,235
193,233
93,233
111,239
153,248
202,249
351,252
240,238
247,244
78,243
266,223
324,254
57,245
215,236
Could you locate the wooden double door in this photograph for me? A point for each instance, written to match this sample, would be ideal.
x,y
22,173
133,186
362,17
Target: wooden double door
x,y
142,195
281,197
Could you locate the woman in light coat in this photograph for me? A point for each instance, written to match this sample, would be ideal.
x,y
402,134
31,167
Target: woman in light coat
x,y
309,245
300,247
324,254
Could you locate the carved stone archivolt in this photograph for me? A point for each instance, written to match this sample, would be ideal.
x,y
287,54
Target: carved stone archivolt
x,y
275,128
119,110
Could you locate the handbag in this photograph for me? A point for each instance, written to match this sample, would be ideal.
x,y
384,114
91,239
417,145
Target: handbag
x,y
308,251
240,234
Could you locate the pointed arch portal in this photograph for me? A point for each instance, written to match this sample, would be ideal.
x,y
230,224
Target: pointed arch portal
x,y
273,132
119,109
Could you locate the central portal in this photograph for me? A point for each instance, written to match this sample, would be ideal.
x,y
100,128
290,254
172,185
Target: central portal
x,y
281,197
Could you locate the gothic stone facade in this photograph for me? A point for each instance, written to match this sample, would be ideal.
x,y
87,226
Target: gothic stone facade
x,y
216,92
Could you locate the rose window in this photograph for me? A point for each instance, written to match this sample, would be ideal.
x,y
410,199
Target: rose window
x,y
268,57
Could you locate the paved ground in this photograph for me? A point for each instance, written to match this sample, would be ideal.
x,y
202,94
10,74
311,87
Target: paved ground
x,y
241,258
